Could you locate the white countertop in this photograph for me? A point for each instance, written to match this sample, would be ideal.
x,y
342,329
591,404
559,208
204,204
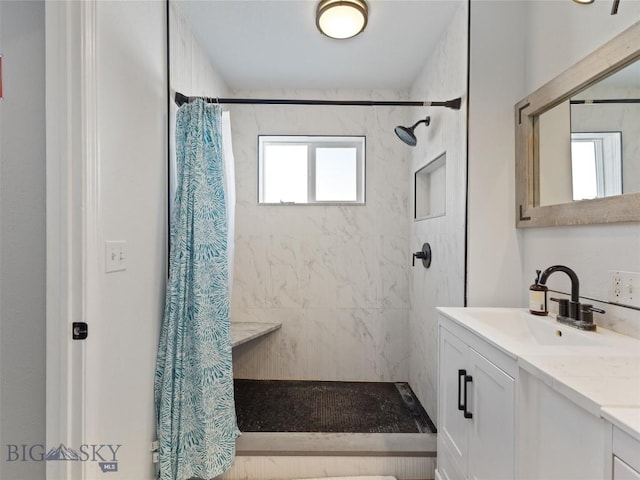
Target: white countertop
x,y
603,378
626,419
243,332
591,381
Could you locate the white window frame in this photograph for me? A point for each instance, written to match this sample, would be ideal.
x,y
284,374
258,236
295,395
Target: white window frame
x,y
313,142
608,158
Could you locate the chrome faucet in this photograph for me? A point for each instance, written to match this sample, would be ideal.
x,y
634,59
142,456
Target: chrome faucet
x,y
571,312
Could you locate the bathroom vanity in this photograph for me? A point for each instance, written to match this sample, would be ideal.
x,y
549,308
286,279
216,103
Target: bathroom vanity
x,y
525,397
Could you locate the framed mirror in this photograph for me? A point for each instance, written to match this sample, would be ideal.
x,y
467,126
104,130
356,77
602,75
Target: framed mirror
x,y
578,141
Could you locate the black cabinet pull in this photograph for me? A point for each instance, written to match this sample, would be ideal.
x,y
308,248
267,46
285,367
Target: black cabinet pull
x,y
461,375
467,379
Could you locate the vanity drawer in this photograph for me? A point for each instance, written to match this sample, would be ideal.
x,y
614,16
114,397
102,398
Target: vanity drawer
x,y
622,471
626,455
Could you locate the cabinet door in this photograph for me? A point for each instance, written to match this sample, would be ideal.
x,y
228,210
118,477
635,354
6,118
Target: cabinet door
x,y
622,471
453,427
492,434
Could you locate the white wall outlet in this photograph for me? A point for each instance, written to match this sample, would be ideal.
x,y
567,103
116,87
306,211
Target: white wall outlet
x,y
625,288
115,256
154,445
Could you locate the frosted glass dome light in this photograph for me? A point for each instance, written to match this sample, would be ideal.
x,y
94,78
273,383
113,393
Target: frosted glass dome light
x,y
341,18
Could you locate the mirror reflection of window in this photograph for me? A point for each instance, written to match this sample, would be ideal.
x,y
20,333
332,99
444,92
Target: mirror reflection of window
x,y
612,104
596,164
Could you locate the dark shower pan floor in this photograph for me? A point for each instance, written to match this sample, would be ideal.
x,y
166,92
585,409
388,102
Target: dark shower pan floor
x,y
312,406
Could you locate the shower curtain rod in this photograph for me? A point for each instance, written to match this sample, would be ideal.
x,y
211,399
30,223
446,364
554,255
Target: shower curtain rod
x,y
609,100
181,99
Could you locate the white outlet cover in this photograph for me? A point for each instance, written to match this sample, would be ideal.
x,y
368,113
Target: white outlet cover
x,y
624,288
115,256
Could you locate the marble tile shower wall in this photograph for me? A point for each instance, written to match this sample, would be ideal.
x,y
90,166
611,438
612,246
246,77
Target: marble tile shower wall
x,y
443,77
335,276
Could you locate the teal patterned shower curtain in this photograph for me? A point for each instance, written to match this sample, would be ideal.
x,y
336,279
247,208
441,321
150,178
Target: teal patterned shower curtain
x,y
194,380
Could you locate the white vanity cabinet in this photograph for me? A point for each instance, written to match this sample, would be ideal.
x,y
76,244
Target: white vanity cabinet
x,y
523,397
623,471
624,455
476,407
558,439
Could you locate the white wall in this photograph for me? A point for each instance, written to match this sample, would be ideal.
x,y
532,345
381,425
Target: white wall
x,y
443,77
559,34
132,144
22,235
191,71
516,47
494,258
335,276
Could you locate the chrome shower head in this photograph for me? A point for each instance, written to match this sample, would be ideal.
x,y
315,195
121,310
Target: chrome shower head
x,y
407,135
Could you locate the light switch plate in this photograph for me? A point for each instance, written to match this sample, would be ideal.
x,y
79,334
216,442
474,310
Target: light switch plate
x,y
115,256
625,288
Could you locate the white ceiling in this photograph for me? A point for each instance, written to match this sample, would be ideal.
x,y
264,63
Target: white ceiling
x,y
271,44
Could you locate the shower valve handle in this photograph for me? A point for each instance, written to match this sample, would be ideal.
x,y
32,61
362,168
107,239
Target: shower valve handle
x,y
420,255
424,255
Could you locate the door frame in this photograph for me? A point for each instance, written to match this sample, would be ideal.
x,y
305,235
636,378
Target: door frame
x,y
74,258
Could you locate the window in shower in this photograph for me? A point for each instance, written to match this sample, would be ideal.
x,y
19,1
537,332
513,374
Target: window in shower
x,y
311,169
430,189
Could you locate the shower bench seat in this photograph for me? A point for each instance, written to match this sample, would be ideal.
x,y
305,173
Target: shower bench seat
x,y
243,332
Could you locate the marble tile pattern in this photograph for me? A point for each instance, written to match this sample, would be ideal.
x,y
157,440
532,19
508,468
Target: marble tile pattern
x,y
287,467
336,277
243,332
337,443
443,77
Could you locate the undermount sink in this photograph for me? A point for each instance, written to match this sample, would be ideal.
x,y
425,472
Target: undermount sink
x,y
518,325
530,328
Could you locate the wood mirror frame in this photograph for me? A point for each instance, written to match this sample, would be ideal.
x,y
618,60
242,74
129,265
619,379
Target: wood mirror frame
x,y
616,54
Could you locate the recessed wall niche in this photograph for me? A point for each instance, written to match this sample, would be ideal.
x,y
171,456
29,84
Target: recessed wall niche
x,y
430,189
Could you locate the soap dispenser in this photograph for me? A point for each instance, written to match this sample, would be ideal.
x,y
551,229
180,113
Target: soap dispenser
x,y
538,297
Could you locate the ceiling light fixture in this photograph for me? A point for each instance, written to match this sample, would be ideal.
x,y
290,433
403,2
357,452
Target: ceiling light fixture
x,y
341,18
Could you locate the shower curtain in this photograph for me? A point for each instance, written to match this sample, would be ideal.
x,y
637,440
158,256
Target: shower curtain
x,y
194,380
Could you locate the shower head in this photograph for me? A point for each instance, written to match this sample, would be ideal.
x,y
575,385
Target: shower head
x,y
406,133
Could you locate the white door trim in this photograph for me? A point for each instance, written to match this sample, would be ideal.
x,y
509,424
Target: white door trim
x,y
73,213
